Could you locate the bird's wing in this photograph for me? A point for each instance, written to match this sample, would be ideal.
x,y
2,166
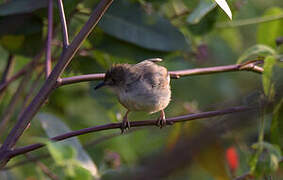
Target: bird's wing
x,y
153,75
153,60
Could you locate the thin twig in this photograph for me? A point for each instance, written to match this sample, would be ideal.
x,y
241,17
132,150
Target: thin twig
x,y
173,74
169,121
8,69
32,63
80,78
23,162
43,167
63,24
50,83
48,64
250,21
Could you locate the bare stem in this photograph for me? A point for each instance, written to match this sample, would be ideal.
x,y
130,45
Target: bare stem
x,y
50,83
23,162
63,24
8,69
250,21
48,57
169,121
80,78
173,74
43,167
248,66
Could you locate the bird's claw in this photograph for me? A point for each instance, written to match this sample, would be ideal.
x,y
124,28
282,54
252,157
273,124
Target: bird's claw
x,y
125,126
161,122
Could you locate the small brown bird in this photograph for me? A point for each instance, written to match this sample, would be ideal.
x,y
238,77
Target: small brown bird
x,y
140,87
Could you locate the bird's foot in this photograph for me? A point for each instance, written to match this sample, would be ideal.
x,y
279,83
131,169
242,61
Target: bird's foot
x,y
161,121
125,126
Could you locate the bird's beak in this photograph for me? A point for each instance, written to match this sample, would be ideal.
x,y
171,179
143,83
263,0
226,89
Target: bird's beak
x,y
99,85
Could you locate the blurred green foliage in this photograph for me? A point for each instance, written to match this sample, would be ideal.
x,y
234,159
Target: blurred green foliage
x,y
186,34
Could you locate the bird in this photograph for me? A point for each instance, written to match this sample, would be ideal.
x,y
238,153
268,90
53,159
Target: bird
x,y
144,86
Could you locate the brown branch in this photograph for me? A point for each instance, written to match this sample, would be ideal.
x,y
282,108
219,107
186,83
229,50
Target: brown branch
x,y
81,78
248,66
48,56
169,121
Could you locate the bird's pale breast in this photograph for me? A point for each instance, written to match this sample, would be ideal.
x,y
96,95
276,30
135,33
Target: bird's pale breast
x,y
149,91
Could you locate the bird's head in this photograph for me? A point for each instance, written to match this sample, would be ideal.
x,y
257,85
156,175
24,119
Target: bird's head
x,y
115,76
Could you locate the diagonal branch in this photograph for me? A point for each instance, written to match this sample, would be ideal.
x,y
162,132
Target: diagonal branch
x,y
50,83
21,72
63,24
8,69
169,121
248,66
43,167
48,56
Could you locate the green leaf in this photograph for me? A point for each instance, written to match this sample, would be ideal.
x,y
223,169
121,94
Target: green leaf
x,y
129,22
53,126
268,86
122,49
223,4
21,6
266,158
27,24
23,37
233,37
269,31
255,51
61,153
12,42
28,6
206,24
81,173
203,8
